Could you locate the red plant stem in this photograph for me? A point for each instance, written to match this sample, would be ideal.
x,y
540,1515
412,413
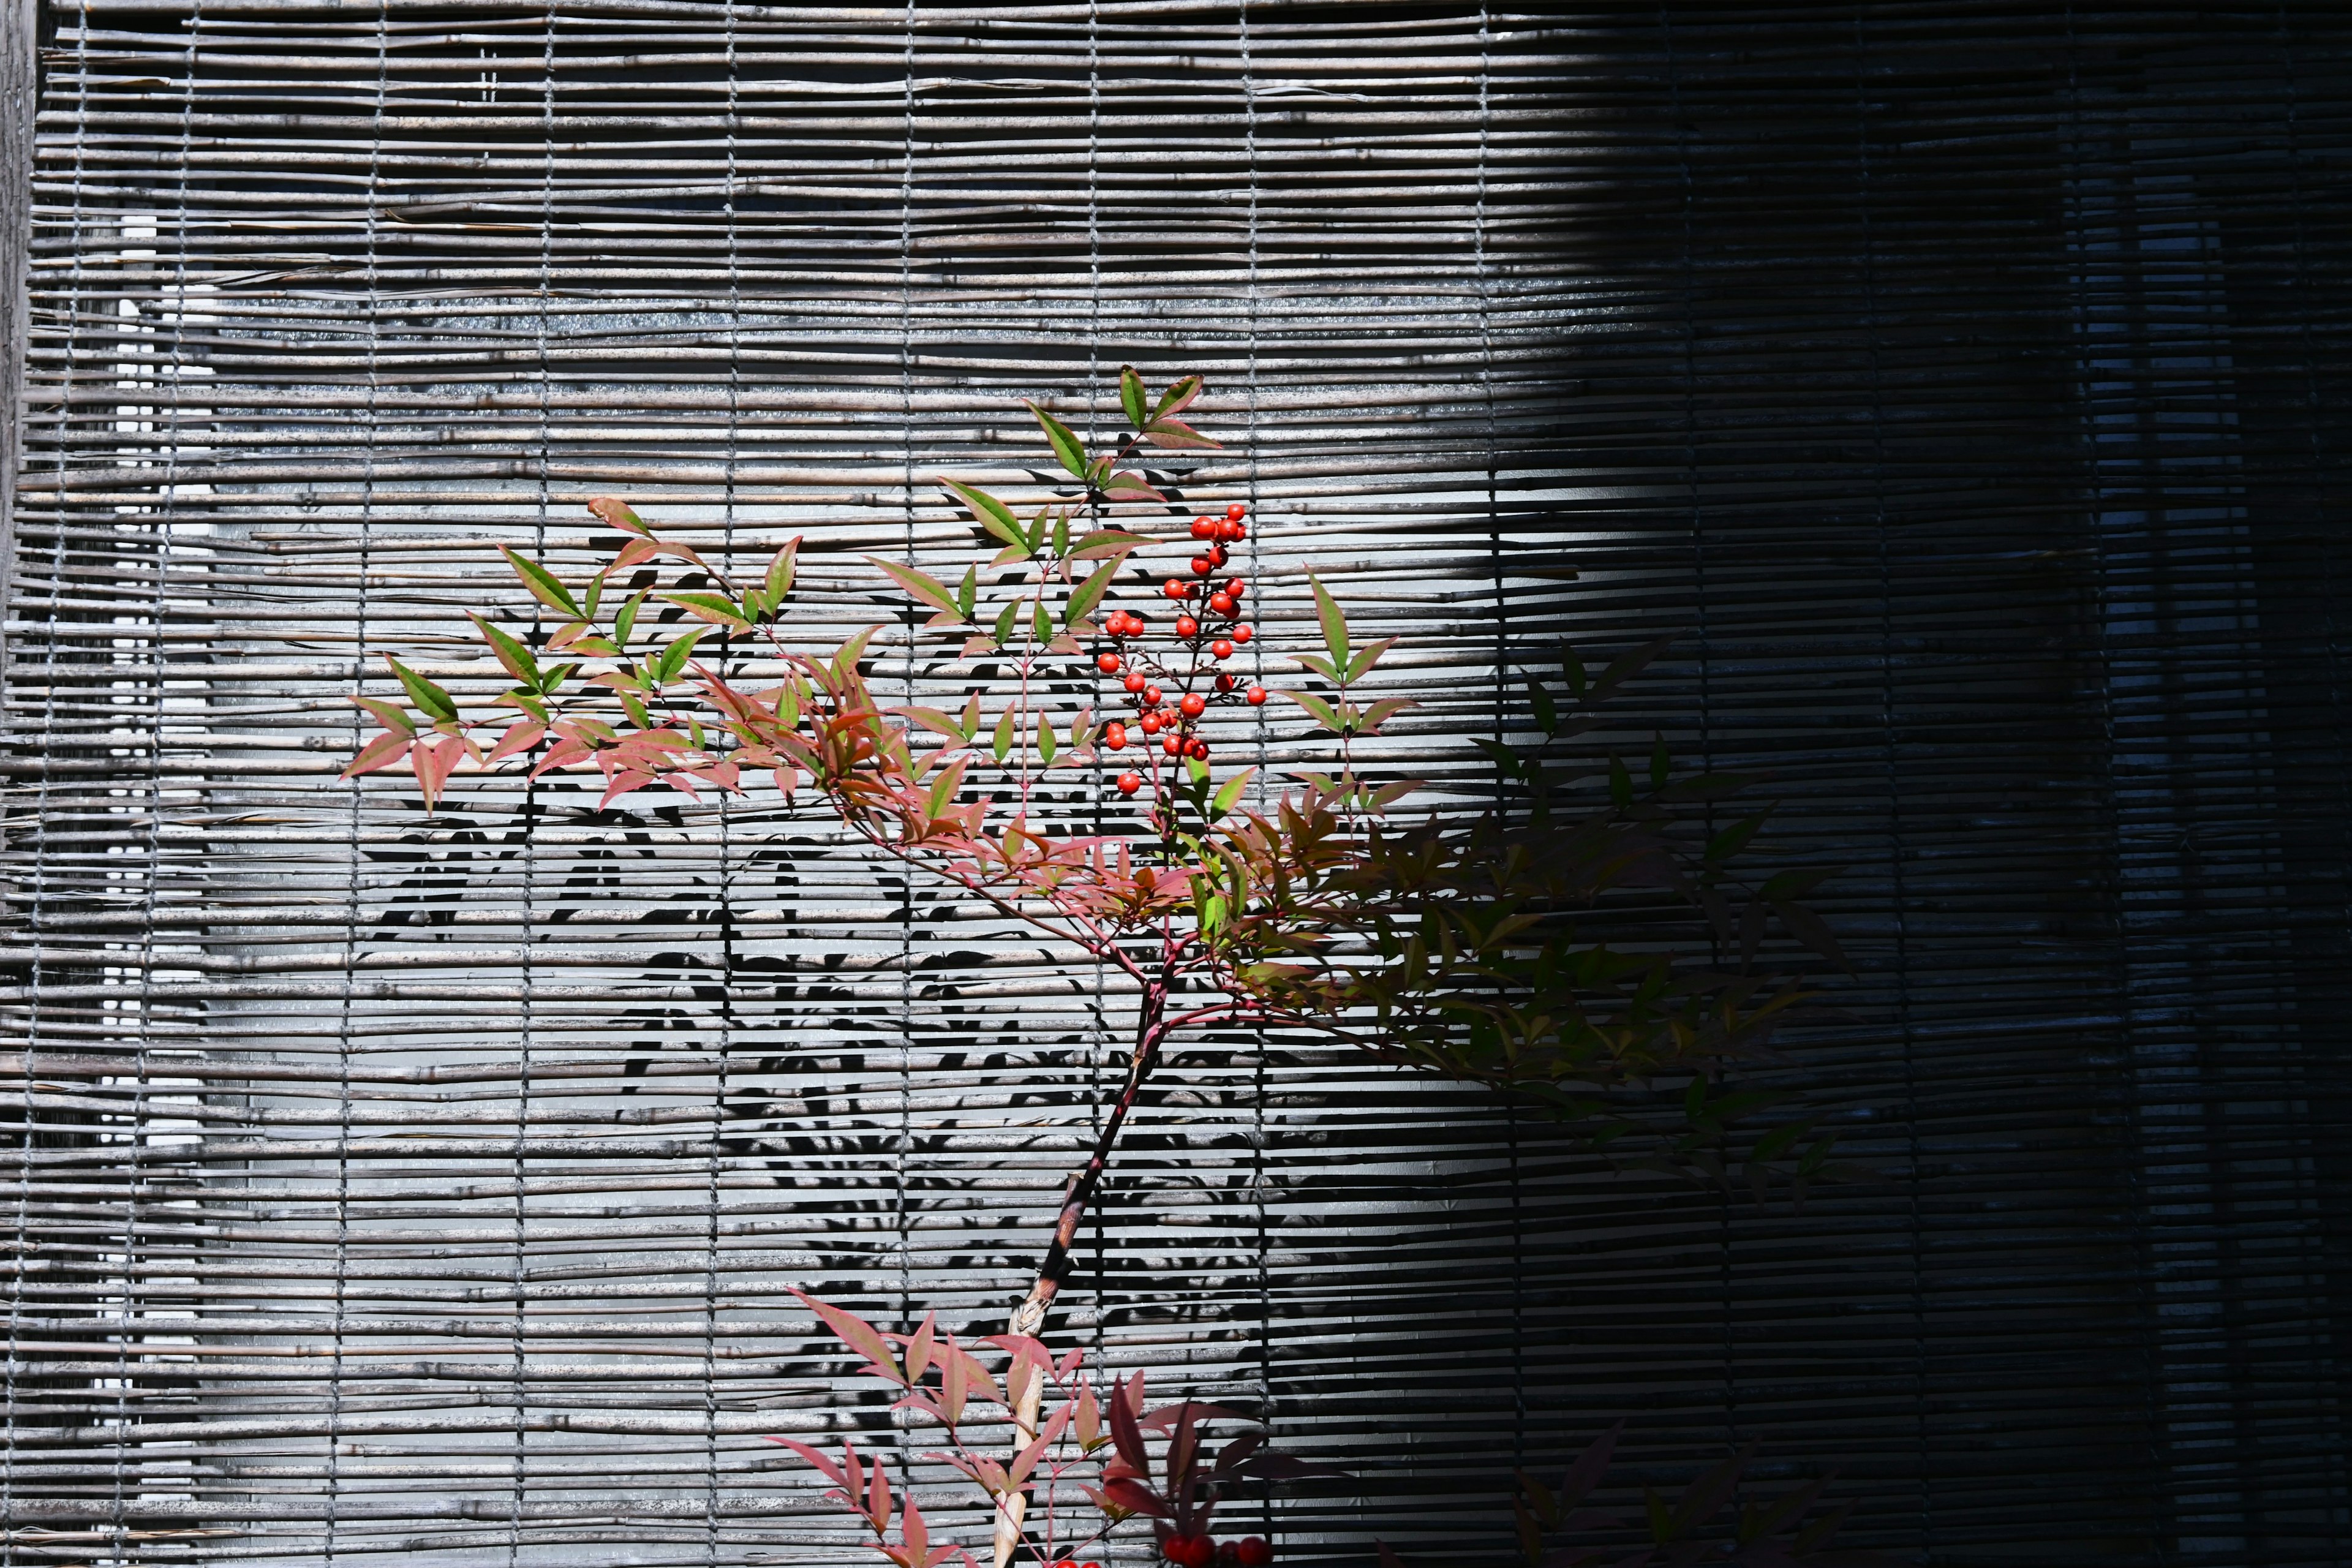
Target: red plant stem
x,y
1029,1317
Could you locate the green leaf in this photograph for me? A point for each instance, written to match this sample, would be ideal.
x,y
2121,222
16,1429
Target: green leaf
x,y
1321,711
1046,744
625,621
1004,622
1066,445
673,659
1038,624
920,585
1621,782
1319,665
1004,742
1198,772
433,700
1088,593
1573,669
968,592
1178,394
1231,792
1131,397
1504,757
994,515
780,570
516,657
1734,839
391,715
542,584
1107,542
945,788
1335,623
716,608
1062,534
1036,534
1546,714
620,515
1380,712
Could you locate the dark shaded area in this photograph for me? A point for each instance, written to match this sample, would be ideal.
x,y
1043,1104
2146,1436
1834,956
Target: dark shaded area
x,y
1968,382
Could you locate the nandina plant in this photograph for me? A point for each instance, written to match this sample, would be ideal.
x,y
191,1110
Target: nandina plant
x,y
1489,947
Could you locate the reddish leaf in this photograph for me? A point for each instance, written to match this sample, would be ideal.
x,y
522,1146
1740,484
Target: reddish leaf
x,y
381,753
1585,1472
1126,1434
832,1471
858,1335
432,763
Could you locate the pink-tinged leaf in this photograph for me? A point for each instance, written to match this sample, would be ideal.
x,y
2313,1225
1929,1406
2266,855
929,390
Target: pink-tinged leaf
x,y
1088,1418
1108,542
913,1531
391,715
1128,484
921,585
858,1335
852,1480
520,736
832,1471
627,780
381,753
619,514
939,1554
1178,397
566,752
955,1381
1334,622
432,763
877,1497
917,1402
1176,434
918,1349
1069,1363
636,553
1380,712
716,608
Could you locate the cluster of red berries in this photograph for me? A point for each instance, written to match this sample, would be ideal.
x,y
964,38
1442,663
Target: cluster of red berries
x,y
1201,1551
1173,725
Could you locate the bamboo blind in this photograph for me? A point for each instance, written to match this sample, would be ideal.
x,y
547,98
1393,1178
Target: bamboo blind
x,y
1964,382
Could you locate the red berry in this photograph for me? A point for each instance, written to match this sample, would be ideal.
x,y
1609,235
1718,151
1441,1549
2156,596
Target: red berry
x,y
1135,682
1151,697
1223,604
1203,566
1235,589
1254,1552
1227,680
1216,555
1198,750
1108,663
1186,626
1242,633
1177,588
1229,1554
1115,735
1234,532
1257,695
1221,648
1150,722
1193,705
1204,527
1172,745
1176,1549
1235,513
